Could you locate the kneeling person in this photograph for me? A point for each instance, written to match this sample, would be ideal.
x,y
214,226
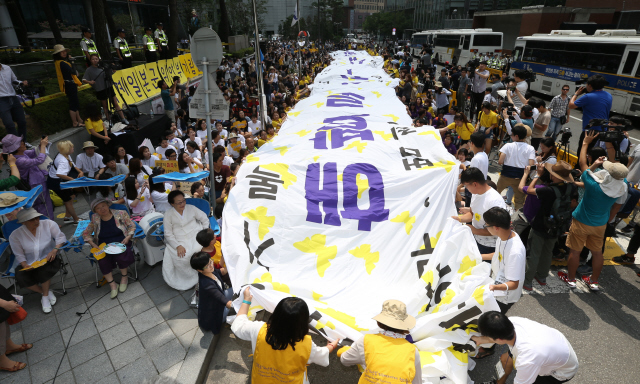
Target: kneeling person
x,y
540,354
387,354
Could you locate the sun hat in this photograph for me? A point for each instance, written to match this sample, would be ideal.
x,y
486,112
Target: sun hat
x,y
59,48
561,170
11,143
27,214
95,203
438,84
233,136
394,314
88,144
616,170
8,199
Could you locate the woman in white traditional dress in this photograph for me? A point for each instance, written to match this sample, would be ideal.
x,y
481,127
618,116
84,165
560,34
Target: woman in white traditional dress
x,y
181,224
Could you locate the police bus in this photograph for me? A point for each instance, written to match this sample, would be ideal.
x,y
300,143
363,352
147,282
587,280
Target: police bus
x,y
457,46
563,57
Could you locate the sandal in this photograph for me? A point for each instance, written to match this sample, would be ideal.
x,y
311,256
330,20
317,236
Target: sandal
x,y
482,353
16,367
23,347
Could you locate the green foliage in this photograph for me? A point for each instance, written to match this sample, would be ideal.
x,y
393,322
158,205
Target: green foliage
x,y
382,23
326,24
243,52
44,25
241,16
53,116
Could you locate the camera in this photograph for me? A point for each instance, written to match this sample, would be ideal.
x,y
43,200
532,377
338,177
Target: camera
x,y
34,90
608,136
565,135
511,109
471,67
532,76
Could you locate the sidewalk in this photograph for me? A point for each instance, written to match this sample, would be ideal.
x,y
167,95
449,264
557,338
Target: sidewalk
x,y
148,330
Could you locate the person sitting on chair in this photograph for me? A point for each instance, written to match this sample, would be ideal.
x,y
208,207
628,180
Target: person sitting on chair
x,y
111,226
37,240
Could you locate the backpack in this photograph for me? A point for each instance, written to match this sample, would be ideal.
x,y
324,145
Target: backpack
x,y
559,218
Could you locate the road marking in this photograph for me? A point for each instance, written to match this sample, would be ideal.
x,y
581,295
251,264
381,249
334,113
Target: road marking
x,y
572,118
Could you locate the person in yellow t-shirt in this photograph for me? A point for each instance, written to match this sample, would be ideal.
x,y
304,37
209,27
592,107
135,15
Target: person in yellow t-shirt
x,y
487,121
387,353
282,345
271,133
463,128
95,127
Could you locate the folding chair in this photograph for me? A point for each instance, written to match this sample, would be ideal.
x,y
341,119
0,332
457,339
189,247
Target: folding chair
x,y
204,206
9,273
138,234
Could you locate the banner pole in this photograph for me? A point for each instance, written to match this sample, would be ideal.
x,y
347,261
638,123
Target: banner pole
x,y
207,108
263,98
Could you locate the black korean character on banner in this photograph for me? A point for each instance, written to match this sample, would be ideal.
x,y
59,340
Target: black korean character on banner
x,y
462,319
264,185
416,162
401,131
410,152
247,240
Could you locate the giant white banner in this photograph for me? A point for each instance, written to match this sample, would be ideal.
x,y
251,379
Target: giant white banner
x,y
349,206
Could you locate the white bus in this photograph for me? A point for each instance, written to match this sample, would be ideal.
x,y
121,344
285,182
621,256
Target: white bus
x,y
563,57
457,46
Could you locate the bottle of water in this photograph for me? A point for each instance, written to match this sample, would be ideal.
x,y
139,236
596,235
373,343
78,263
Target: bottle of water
x,y
104,117
151,114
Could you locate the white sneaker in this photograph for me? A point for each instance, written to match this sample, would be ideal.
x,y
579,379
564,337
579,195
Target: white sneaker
x,y
46,304
52,298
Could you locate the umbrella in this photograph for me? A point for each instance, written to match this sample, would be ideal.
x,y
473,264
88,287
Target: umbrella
x,y
82,182
177,176
26,203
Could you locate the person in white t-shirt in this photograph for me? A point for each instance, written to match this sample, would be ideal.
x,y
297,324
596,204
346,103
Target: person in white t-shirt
x,y
514,158
89,162
540,354
480,159
254,125
234,146
164,145
223,132
483,198
216,140
508,263
191,133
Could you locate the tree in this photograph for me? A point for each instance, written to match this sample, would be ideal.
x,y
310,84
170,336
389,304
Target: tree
x,y
241,16
18,23
173,28
51,18
224,28
109,18
100,24
382,23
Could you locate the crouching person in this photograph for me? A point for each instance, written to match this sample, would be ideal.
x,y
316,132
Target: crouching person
x,y
387,354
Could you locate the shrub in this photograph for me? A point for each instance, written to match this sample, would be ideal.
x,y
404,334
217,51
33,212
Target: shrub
x,y
53,116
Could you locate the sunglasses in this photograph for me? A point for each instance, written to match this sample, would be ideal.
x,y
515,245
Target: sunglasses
x,y
565,89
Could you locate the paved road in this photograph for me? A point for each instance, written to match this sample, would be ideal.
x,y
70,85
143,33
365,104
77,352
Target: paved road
x,y
603,328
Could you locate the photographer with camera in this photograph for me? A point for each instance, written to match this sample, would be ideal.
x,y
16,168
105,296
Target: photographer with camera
x,y
480,77
614,140
517,94
541,123
605,191
10,105
95,76
595,103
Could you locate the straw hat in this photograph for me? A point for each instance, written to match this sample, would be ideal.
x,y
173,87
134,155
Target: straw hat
x,y
59,48
394,314
27,214
8,199
438,84
88,144
561,170
233,136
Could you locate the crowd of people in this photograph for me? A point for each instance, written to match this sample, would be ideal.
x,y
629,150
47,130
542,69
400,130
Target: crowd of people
x,y
551,209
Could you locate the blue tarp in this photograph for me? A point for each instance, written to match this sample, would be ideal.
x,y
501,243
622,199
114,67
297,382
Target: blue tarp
x,y
177,176
87,182
26,203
